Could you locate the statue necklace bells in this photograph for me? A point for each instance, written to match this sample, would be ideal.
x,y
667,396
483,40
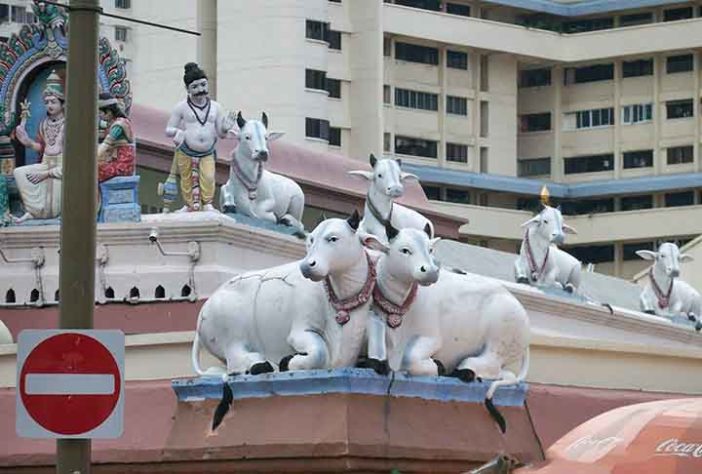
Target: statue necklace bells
x,y
250,185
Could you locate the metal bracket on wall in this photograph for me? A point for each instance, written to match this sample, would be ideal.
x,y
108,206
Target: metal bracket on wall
x,y
193,253
37,260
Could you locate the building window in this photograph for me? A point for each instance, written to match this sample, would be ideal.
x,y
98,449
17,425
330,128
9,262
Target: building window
x,y
416,53
535,122
638,159
637,113
387,94
635,19
634,203
535,77
596,72
334,40
458,9
686,198
433,193
387,46
317,30
335,136
456,105
640,67
4,13
679,109
457,152
678,155
334,88
589,163
534,167
317,128
123,4
587,206
629,250
457,195
593,24
416,99
121,33
415,146
434,5
335,1
315,79
592,253
21,15
456,59
589,118
681,63
387,141
676,14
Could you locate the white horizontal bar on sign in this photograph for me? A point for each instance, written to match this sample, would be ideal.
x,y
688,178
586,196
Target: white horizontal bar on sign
x,y
69,384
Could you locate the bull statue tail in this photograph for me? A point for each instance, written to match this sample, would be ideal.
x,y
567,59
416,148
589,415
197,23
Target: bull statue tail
x,y
492,409
195,360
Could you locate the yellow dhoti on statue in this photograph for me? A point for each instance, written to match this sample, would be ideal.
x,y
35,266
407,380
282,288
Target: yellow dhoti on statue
x,y
197,177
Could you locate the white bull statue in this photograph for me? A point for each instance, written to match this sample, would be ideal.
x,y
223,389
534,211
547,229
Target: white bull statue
x,y
254,191
385,185
540,261
666,294
425,322
315,321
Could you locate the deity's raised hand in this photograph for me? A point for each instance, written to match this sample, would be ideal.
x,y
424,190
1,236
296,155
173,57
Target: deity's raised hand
x,y
229,121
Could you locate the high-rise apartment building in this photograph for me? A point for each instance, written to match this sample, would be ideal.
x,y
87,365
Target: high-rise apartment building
x,y
484,100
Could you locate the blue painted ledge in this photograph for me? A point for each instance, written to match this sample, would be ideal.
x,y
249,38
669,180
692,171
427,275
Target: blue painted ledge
x,y
353,381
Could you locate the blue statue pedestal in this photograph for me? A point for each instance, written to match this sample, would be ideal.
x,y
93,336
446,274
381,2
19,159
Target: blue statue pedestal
x,y
348,420
120,200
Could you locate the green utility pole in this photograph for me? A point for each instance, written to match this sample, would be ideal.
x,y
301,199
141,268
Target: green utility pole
x,y
78,199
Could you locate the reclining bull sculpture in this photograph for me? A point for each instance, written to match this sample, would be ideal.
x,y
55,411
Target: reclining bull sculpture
x,y
385,185
427,322
666,294
254,191
540,261
278,317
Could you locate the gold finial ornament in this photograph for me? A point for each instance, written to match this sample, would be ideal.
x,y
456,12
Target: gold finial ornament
x,y
545,195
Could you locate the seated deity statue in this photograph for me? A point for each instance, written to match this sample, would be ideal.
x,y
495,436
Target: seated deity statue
x,y
116,154
39,184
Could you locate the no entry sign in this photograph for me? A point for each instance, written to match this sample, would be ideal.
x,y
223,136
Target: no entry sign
x,y
70,384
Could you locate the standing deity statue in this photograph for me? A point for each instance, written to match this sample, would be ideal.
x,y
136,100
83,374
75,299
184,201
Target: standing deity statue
x,y
116,154
195,125
40,184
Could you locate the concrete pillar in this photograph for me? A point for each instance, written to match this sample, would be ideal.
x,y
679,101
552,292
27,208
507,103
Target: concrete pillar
x,y
557,164
207,42
617,136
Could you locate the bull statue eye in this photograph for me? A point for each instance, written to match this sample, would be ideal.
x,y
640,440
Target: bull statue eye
x,y
380,175
545,221
248,137
406,251
333,239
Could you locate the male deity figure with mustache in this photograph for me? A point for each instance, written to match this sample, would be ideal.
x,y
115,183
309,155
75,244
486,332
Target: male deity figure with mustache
x,y
195,125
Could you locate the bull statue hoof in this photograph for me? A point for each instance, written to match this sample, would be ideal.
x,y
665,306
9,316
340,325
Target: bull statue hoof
x,y
698,326
464,375
440,369
284,365
261,368
523,280
649,311
691,317
569,288
381,367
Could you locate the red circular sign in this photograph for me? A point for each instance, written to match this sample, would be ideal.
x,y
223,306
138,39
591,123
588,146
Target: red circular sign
x,y
69,413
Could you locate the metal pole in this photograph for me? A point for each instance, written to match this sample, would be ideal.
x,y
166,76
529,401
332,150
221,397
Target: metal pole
x,y
78,199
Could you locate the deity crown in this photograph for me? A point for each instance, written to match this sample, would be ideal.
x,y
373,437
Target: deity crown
x,y
54,86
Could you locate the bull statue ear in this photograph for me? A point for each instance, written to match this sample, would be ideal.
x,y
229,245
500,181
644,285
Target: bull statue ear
x,y
322,218
404,176
272,136
390,231
264,119
568,229
372,242
240,122
354,219
362,173
427,230
373,160
646,254
533,221
684,257
399,162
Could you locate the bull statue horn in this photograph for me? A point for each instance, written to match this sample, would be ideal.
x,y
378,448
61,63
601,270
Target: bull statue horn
x,y
240,122
354,219
264,119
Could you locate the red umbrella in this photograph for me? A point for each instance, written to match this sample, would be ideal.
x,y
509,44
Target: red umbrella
x,y
663,437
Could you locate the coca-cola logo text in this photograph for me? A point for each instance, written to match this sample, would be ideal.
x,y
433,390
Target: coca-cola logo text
x,y
675,447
